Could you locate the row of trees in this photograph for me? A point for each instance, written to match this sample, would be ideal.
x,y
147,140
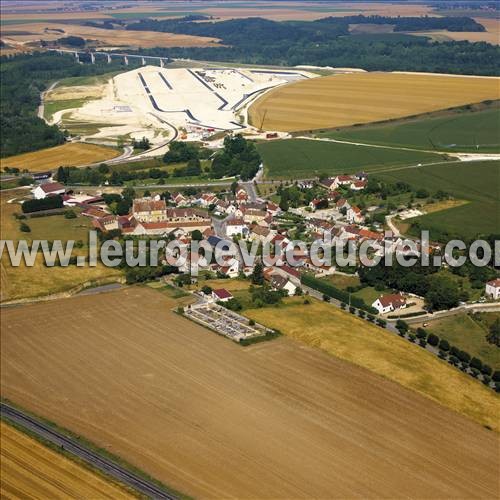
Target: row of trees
x,y
472,365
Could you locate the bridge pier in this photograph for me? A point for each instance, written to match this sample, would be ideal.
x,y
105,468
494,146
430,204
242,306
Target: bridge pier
x,y
161,63
109,59
92,58
143,61
125,60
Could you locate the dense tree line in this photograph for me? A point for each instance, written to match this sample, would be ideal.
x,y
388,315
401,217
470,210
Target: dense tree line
x,y
22,78
328,42
49,203
423,23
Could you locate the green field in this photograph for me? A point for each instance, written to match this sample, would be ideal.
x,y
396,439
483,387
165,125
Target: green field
x,y
303,158
477,182
52,107
467,131
469,335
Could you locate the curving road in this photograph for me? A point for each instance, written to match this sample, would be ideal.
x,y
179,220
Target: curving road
x,y
84,453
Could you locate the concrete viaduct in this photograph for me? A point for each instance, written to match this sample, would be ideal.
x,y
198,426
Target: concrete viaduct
x,y
115,55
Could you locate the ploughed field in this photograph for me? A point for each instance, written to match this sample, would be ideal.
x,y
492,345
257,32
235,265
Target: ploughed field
x,y
32,470
348,99
213,419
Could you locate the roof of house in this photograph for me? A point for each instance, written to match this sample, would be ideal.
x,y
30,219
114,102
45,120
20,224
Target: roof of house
x,y
148,205
278,281
222,293
495,283
396,299
344,178
51,187
235,222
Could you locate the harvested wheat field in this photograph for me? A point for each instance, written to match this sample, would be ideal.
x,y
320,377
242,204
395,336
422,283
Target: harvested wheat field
x,y
216,420
348,99
29,469
33,32
69,154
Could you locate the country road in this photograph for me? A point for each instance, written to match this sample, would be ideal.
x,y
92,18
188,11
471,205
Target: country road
x,y
84,453
41,107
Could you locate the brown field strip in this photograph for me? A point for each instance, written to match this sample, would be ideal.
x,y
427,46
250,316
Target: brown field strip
x,y
114,38
69,154
348,99
29,469
212,419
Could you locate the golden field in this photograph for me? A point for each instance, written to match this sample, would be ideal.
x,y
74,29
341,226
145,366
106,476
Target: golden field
x,y
348,99
29,282
29,469
491,35
352,339
33,32
213,419
68,154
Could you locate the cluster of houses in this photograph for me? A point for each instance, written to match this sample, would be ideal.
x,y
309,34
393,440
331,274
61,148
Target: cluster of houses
x,y
234,216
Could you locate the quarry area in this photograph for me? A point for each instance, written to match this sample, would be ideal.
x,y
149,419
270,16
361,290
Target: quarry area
x,y
165,104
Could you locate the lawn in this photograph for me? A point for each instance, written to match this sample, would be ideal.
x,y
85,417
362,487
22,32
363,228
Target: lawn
x,y
369,294
342,281
477,182
303,158
39,280
52,107
476,131
462,331
350,338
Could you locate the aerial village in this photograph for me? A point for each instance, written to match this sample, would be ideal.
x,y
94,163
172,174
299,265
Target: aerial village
x,y
240,213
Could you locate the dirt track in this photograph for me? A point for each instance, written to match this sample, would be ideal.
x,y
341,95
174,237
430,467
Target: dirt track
x,y
213,419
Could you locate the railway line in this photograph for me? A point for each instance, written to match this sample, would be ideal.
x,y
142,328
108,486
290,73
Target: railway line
x,y
89,456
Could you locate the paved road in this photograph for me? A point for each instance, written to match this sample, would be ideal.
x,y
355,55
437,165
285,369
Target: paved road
x,y
84,453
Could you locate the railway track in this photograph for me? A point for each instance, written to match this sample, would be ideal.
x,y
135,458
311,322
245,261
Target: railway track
x,y
84,453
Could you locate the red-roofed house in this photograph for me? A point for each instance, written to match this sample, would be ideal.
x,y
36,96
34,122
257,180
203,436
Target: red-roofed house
x,y
493,289
354,215
48,189
388,303
221,295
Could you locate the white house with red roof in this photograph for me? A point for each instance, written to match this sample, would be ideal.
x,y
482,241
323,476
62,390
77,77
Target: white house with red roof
x,y
388,303
221,295
48,189
236,227
492,289
354,214
358,185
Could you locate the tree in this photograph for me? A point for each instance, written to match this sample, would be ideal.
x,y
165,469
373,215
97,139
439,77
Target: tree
x,y
207,290
257,275
103,168
70,214
234,187
24,228
421,333
147,193
444,345
443,293
61,175
401,326
196,235
476,363
493,336
433,339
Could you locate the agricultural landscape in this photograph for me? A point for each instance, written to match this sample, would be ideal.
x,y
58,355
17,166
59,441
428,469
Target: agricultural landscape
x,y
134,130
